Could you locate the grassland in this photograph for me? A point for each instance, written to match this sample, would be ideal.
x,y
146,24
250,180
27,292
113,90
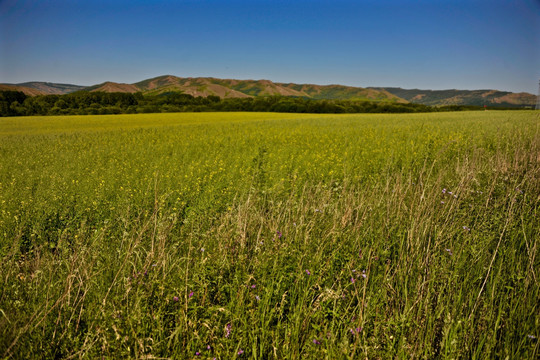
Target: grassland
x,y
263,235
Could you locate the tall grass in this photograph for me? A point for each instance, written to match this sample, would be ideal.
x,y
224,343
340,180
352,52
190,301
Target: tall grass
x,y
270,236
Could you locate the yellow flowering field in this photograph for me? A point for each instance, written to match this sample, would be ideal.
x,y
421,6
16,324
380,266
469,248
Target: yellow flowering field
x,y
269,235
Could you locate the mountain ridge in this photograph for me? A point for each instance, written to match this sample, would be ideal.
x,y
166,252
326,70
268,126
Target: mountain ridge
x,y
484,97
235,88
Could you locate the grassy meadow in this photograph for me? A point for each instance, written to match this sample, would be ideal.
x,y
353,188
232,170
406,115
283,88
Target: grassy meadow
x,y
266,235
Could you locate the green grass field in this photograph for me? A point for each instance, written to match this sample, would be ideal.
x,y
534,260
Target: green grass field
x,y
264,235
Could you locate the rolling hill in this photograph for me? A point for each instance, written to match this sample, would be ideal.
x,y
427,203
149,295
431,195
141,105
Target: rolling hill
x,y
14,87
231,88
464,97
34,88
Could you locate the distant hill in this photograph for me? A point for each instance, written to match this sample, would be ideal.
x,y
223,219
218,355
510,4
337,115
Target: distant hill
x,y
42,88
113,87
464,97
230,88
28,91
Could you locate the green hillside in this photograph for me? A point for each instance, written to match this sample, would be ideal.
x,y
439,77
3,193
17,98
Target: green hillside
x,y
464,97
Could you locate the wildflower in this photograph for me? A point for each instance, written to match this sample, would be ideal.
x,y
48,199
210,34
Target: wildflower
x,y
448,251
208,347
532,337
253,286
190,294
228,330
444,191
352,280
466,228
442,202
308,272
175,298
240,352
279,235
197,354
316,342
364,274
202,249
257,297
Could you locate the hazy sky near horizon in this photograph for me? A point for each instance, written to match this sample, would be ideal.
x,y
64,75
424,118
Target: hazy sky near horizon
x,y
426,44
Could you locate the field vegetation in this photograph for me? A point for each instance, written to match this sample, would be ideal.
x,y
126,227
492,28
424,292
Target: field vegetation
x,y
270,235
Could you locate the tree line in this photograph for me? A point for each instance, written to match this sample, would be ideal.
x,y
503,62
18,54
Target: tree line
x,y
16,103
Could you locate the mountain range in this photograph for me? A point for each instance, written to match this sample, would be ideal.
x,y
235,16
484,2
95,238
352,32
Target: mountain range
x,y
231,88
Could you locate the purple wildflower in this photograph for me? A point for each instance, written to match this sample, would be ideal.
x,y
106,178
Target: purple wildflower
x,y
353,280
279,234
197,354
228,330
466,228
257,297
316,342
208,347
240,352
444,191
364,274
175,298
190,294
253,286
449,251
307,272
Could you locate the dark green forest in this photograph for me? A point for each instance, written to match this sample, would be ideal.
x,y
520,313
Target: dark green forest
x,y
16,103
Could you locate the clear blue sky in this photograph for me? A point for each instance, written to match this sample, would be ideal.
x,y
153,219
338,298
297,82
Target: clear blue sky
x,y
427,44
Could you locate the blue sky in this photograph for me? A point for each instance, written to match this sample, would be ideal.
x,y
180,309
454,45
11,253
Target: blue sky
x,y
435,44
